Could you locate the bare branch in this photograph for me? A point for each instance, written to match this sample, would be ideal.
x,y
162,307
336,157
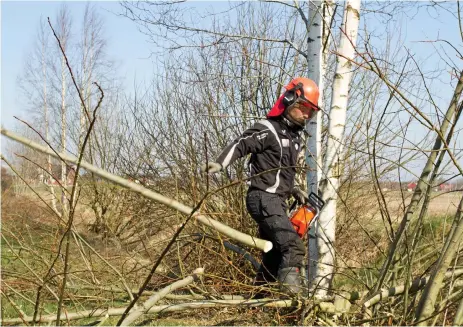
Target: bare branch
x,y
222,228
135,314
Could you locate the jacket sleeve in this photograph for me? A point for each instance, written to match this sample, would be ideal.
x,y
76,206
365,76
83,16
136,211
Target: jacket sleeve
x,y
253,140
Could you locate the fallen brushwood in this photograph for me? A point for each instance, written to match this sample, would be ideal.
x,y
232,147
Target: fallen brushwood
x,y
175,297
274,303
216,225
145,307
415,286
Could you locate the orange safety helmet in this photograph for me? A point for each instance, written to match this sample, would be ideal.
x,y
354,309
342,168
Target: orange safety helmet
x,y
300,88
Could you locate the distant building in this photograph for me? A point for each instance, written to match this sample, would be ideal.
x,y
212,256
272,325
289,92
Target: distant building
x,y
411,186
389,186
446,187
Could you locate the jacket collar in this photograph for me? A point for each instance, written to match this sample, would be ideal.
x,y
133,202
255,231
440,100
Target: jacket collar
x,y
290,125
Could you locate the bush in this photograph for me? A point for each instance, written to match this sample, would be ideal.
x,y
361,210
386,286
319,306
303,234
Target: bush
x,y
7,179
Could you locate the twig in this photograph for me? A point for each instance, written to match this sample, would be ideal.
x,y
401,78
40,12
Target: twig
x,y
30,269
18,309
220,227
118,273
164,308
134,315
414,287
161,257
73,204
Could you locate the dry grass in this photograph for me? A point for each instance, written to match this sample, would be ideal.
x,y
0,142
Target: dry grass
x,y
442,204
359,245
361,238
36,228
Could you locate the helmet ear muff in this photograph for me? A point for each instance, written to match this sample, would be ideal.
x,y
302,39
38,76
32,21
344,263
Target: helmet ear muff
x,y
291,96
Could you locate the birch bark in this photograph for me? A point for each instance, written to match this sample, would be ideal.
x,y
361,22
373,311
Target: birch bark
x,y
64,25
46,118
320,13
331,166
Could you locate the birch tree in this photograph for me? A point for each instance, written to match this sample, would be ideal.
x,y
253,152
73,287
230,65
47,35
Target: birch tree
x,y
64,33
331,166
44,33
321,15
94,64
34,83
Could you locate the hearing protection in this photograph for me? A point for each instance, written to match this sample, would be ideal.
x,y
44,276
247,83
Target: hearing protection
x,y
291,96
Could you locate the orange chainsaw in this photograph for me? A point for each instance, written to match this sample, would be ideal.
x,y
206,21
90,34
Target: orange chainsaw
x,y
303,216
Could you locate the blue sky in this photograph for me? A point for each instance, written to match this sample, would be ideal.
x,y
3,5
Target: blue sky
x,y
126,45
131,51
20,20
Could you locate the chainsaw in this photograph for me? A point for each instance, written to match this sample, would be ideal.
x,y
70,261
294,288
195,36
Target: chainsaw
x,y
304,216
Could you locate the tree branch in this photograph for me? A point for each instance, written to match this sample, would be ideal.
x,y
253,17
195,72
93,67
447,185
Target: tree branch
x,y
220,227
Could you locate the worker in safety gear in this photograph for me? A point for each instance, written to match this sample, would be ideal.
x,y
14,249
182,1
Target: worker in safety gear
x,y
274,144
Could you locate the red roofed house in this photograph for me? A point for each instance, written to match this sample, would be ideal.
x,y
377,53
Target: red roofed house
x,y
411,186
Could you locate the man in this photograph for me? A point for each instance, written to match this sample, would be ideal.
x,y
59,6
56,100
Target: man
x,y
274,144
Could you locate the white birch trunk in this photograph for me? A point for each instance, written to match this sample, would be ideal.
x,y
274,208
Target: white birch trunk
x,y
83,90
87,64
330,182
315,55
320,13
47,129
64,33
63,134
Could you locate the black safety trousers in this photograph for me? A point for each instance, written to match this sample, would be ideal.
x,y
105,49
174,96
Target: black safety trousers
x,y
269,211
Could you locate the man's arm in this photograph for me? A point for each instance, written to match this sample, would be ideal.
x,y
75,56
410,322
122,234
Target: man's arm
x,y
253,140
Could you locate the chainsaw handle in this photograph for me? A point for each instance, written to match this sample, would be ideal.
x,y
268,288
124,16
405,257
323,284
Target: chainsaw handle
x,y
316,201
293,205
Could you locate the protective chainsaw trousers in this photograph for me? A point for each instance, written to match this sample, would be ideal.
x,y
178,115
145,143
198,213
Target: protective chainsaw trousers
x,y
269,212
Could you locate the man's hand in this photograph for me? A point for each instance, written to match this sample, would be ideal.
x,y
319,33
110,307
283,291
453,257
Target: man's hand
x,y
300,195
211,167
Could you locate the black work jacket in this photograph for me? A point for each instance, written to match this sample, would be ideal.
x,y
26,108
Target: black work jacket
x,y
274,147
